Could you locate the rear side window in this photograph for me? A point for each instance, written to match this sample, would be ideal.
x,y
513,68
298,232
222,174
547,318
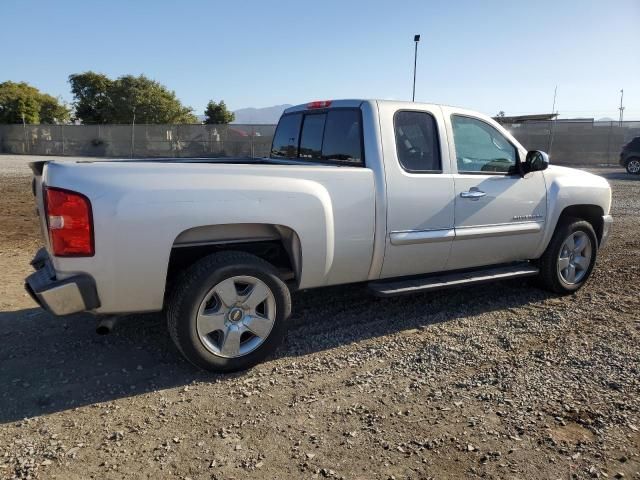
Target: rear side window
x,y
333,136
285,141
417,142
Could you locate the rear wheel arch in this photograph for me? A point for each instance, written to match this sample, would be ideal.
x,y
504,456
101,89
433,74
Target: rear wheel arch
x,y
277,244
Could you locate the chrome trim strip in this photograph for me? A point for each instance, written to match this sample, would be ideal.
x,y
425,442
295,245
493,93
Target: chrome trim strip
x,y
412,237
498,230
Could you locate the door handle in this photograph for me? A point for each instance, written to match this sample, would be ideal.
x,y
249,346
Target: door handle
x,y
473,194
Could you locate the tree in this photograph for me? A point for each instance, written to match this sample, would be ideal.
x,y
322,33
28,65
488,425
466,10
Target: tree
x,y
500,114
98,99
91,93
21,102
217,113
52,111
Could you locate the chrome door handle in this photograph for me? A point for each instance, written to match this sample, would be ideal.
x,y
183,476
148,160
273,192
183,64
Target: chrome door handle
x,y
473,194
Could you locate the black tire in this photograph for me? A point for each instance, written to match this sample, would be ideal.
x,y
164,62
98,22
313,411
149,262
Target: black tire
x,y
550,277
196,282
632,164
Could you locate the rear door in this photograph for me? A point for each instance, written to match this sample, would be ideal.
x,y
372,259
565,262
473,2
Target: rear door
x,y
499,215
420,189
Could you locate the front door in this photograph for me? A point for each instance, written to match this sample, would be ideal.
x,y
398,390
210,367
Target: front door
x,y
499,215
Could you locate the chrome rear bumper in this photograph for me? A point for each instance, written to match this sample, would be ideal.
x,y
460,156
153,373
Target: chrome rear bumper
x,y
60,297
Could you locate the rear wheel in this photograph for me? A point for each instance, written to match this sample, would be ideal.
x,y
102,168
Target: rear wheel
x,y
228,311
568,261
633,166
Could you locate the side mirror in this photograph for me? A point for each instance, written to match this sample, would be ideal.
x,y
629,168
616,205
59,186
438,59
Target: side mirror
x,y
535,161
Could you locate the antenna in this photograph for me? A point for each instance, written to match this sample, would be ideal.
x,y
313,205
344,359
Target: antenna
x,y
416,38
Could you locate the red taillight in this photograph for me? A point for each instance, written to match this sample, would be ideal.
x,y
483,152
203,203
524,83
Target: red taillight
x,y
69,222
319,104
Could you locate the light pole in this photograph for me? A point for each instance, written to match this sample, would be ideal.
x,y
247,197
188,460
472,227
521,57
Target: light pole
x,y
416,38
621,107
551,123
133,130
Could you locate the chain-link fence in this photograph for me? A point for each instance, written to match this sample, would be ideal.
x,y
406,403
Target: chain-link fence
x,y
138,140
568,143
576,143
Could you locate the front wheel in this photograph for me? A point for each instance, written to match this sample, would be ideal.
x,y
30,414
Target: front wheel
x,y
228,311
633,166
570,257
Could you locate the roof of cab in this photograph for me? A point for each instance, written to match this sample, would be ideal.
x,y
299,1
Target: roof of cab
x,y
352,103
347,103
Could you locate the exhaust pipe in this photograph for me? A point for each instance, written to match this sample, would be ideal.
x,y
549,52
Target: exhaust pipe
x,y
106,325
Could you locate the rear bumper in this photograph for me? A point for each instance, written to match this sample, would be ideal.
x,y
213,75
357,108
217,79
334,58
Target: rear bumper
x,y
607,222
60,297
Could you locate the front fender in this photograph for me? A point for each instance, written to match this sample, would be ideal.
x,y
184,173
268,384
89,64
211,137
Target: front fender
x,y
568,187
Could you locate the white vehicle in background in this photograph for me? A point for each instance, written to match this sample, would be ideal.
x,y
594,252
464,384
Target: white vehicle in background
x,y
407,197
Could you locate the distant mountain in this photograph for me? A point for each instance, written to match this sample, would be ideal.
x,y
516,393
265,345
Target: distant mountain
x,y
266,115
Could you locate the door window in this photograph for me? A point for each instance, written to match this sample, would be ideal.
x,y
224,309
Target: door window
x,y
481,147
417,141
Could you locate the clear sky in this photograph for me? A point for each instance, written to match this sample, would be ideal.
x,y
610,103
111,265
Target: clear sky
x,y
486,55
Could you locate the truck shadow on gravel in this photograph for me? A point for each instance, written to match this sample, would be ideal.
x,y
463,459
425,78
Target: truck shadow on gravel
x,y
49,364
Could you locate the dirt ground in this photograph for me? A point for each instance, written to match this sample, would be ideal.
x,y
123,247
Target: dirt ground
x,y
498,381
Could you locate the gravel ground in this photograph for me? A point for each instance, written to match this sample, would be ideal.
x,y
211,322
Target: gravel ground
x,y
497,381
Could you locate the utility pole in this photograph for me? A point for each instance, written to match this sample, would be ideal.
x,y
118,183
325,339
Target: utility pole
x,y
416,38
621,107
24,131
133,130
553,110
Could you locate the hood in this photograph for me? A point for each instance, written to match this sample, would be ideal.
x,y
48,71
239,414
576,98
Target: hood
x,y
575,176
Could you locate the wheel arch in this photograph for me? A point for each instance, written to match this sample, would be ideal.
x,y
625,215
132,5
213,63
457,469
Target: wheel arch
x,y
590,213
278,244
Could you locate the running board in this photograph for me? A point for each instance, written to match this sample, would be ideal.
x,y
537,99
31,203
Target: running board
x,y
390,288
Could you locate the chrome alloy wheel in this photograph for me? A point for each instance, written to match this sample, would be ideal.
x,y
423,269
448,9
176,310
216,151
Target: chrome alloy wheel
x,y
236,316
633,166
575,257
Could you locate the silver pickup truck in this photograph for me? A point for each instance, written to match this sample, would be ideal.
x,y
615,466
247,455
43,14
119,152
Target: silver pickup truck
x,y
406,197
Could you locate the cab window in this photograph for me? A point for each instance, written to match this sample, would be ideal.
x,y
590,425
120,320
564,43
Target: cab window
x,y
481,148
417,141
